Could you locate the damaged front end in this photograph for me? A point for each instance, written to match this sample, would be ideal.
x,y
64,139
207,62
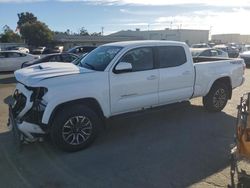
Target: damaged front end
x,y
26,108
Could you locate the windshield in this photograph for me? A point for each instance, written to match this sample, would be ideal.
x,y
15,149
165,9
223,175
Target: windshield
x,y
99,58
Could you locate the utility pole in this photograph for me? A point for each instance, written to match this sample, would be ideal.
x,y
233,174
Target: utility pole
x,y
148,32
102,30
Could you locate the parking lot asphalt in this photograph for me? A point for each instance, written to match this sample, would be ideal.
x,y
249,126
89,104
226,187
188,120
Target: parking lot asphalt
x,y
180,147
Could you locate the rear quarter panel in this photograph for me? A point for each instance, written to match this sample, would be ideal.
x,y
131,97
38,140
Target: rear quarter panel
x,y
208,72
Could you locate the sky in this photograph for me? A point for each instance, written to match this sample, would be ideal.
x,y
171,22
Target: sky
x,y
218,16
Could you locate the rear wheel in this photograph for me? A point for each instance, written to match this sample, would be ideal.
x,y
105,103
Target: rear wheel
x,y
74,128
217,98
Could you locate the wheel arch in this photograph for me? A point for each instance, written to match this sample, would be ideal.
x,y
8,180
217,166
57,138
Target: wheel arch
x,y
224,80
92,103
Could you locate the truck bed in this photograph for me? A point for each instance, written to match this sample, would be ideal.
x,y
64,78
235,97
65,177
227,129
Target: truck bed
x,y
207,70
205,59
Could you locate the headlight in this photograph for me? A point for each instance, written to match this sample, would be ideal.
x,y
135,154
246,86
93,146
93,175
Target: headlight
x,y
38,93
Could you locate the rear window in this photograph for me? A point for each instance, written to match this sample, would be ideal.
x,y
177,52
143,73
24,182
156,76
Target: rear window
x,y
171,56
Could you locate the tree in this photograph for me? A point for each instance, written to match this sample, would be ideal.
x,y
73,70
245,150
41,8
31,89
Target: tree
x,y
9,35
36,34
84,32
25,17
96,34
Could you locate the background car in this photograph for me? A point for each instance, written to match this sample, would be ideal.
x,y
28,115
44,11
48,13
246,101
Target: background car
x,y
12,60
246,56
38,50
23,49
57,49
81,49
201,45
18,48
59,57
208,52
231,50
246,48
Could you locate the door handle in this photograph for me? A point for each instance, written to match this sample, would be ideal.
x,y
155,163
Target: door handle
x,y
152,77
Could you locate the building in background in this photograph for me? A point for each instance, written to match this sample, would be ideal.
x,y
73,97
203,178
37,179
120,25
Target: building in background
x,y
69,41
3,46
185,35
189,36
231,38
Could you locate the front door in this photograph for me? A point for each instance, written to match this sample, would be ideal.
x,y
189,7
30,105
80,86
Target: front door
x,y
138,88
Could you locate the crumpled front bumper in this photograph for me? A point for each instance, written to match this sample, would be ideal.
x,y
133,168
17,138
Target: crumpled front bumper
x,y
20,108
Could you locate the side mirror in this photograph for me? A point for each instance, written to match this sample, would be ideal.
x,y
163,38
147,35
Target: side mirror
x,y
123,67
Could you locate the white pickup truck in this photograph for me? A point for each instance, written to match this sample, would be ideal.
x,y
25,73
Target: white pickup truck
x,y
70,102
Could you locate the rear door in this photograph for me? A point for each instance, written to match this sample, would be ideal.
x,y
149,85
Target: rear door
x,y
176,74
138,88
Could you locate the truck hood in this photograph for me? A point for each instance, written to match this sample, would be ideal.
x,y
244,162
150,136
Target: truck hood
x,y
33,74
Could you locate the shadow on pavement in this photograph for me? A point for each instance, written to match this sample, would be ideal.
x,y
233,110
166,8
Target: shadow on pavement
x,y
9,80
6,72
160,148
7,77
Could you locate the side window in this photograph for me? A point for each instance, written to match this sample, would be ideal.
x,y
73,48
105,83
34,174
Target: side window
x,y
140,58
171,56
55,58
214,53
205,53
13,55
219,52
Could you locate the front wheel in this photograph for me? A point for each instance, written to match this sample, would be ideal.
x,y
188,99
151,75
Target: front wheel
x,y
217,98
74,128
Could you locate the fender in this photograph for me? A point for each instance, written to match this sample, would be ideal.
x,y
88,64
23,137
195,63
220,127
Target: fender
x,y
220,77
53,105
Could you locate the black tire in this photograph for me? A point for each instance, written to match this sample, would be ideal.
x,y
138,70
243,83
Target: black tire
x,y
72,121
217,98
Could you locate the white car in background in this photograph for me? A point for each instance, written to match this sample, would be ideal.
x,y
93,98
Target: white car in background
x,y
18,48
201,45
208,52
12,60
23,49
39,50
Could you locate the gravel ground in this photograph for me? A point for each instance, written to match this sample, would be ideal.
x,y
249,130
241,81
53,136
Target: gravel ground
x,y
180,147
